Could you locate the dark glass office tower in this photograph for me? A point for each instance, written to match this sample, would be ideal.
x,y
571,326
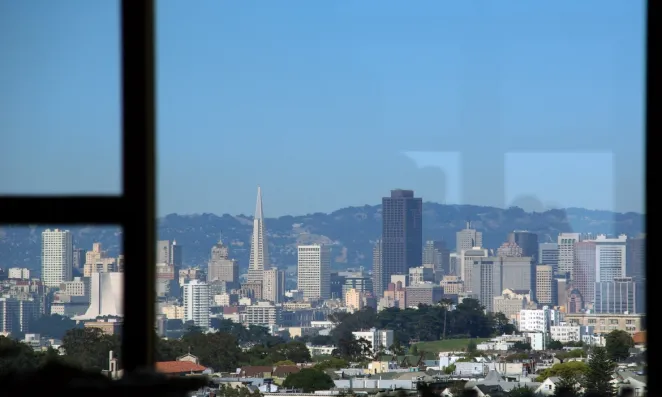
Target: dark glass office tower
x,y
528,241
402,235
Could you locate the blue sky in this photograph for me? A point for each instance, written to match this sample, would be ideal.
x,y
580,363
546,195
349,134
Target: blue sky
x,y
331,104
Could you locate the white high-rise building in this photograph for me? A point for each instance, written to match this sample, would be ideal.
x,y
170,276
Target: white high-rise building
x,y
259,259
610,257
57,257
566,255
196,303
314,268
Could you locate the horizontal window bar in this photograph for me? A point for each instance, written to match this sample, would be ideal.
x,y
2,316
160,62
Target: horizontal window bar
x,y
62,210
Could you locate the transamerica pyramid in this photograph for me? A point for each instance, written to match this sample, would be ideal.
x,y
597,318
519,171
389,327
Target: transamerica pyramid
x,y
259,260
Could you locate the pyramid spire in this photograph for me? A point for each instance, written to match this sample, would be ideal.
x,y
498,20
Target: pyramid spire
x,y
258,204
259,258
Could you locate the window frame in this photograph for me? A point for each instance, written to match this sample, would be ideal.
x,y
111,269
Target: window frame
x,y
134,208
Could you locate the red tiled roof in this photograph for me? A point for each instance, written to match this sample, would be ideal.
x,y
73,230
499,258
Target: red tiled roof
x,y
230,309
178,367
256,370
639,337
284,370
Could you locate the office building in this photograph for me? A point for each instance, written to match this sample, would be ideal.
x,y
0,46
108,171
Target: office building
x,y
437,256
423,294
584,269
263,314
273,285
636,258
611,257
56,257
221,267
96,261
528,241
196,303
467,258
620,295
467,239
546,291
402,234
259,256
378,284
486,280
548,254
314,264
566,243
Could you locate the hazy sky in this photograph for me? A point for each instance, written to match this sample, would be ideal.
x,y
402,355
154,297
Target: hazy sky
x,y
327,104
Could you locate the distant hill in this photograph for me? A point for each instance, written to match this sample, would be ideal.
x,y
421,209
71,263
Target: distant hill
x,y
352,232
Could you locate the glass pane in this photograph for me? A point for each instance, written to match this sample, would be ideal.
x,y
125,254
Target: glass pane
x,y
467,170
60,99
62,296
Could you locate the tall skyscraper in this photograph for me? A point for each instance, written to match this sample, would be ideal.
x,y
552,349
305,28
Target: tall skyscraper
x,y
314,276
548,254
169,253
611,258
79,258
402,234
636,258
273,285
377,279
259,259
486,280
169,260
566,243
584,254
57,257
546,286
528,241
437,255
221,267
196,303
467,239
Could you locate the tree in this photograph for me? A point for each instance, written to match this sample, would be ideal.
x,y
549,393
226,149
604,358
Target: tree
x,y
567,386
15,357
413,350
472,347
397,348
293,351
217,350
618,344
450,369
54,326
309,380
599,374
456,388
522,391
332,363
521,346
569,370
554,345
89,347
